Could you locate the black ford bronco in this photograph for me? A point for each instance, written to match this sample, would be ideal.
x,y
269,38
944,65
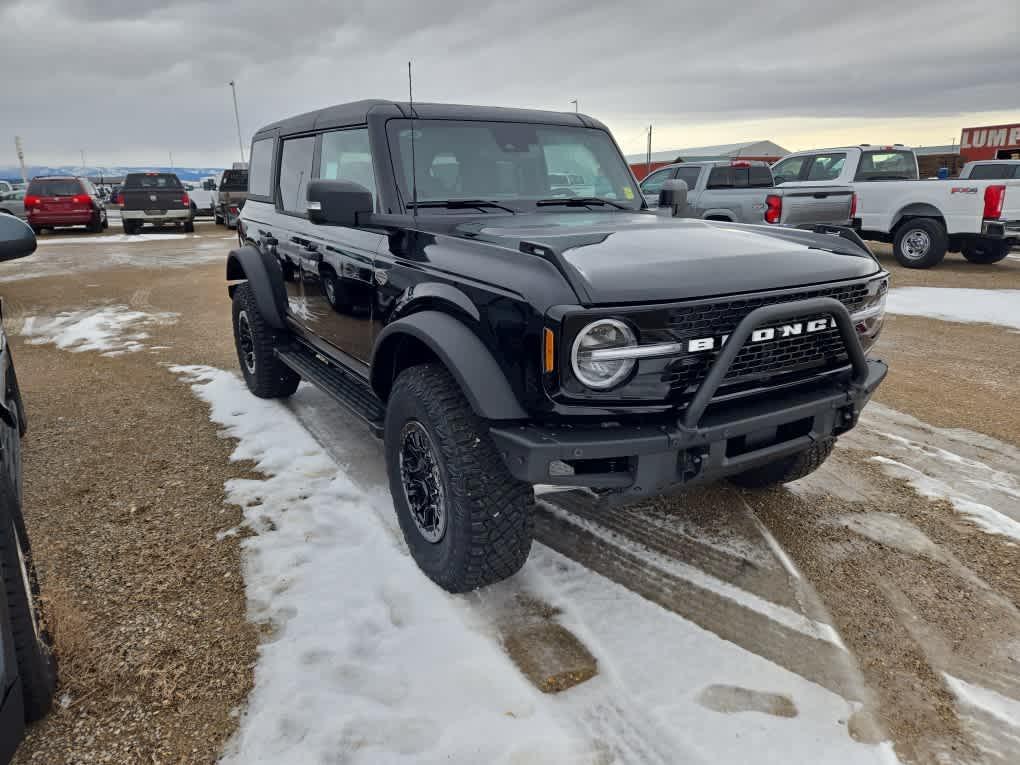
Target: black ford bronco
x,y
423,266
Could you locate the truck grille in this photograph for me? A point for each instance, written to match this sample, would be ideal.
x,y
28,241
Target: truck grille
x,y
773,361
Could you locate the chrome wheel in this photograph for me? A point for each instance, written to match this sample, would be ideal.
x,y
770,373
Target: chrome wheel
x,y
329,285
246,341
915,244
422,481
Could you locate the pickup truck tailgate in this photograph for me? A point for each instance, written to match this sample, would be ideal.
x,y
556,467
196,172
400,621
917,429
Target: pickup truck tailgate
x,y
154,199
1011,206
816,204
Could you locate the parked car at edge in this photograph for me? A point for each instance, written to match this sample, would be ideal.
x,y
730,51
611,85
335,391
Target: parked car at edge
x,y
743,191
5,186
203,200
923,219
27,668
158,199
991,170
13,203
60,201
499,335
231,193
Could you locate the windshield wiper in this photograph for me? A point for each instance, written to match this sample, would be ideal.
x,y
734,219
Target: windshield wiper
x,y
580,202
460,204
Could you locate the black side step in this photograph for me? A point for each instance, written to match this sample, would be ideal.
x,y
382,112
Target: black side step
x,y
345,387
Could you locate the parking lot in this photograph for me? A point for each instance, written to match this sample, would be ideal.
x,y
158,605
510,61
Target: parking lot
x,y
864,613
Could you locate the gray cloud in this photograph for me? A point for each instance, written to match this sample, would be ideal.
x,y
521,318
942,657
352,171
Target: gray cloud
x,y
132,81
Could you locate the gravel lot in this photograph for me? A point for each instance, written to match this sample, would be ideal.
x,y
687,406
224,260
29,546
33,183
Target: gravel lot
x,y
125,473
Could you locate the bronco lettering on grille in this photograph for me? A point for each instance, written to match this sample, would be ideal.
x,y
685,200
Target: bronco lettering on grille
x,y
764,334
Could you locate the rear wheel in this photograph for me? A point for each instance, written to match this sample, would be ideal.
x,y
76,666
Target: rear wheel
x,y
189,227
95,226
920,243
130,227
256,343
984,251
466,519
786,469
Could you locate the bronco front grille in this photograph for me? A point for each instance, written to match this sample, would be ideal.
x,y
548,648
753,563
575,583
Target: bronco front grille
x,y
757,363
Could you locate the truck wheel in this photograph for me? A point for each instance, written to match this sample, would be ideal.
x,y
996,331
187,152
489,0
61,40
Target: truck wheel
x,y
36,666
129,228
265,375
920,243
984,251
786,469
189,227
466,520
95,226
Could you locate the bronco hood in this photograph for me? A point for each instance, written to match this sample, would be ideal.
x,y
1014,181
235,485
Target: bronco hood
x,y
643,258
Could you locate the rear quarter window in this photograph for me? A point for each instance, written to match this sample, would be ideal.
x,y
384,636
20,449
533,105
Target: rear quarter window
x,y
260,169
991,172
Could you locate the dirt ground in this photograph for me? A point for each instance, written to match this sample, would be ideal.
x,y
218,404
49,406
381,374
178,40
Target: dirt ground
x,y
124,498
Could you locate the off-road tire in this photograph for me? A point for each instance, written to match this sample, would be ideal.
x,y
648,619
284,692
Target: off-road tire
x,y
266,376
786,469
36,665
488,512
985,252
129,228
929,228
189,227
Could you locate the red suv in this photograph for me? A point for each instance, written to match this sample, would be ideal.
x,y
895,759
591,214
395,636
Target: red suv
x,y
64,201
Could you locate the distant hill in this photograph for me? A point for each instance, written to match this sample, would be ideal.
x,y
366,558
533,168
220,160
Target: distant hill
x,y
13,172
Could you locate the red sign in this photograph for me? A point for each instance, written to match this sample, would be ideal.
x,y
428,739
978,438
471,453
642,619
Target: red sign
x,y
994,142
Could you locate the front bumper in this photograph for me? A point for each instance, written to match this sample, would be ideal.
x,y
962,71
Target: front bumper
x,y
707,440
165,216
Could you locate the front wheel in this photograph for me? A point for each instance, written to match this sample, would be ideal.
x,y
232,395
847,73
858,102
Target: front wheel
x,y
920,243
256,342
466,519
786,469
984,251
36,666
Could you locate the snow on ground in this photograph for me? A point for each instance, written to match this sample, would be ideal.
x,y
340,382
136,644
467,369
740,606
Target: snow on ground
x,y
369,662
108,239
69,260
113,329
958,304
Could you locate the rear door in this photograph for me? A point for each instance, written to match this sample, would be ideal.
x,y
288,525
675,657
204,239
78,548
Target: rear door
x,y
155,193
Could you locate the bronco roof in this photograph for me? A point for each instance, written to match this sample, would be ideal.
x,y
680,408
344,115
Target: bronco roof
x,y
357,112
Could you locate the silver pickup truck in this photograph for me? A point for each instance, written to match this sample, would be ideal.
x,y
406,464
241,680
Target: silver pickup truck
x,y
743,191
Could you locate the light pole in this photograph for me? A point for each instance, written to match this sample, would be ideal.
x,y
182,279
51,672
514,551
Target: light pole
x,y
237,117
21,158
83,171
574,102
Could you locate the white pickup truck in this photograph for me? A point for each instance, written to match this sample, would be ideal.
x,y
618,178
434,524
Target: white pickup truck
x,y
922,219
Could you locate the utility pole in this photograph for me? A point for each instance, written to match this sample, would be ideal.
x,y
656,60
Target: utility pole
x,y
21,159
648,156
574,102
171,162
83,171
237,117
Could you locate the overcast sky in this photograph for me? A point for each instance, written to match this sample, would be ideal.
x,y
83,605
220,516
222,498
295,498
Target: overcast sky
x,y
129,81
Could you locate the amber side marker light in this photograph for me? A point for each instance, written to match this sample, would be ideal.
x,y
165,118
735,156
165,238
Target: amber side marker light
x,y
549,344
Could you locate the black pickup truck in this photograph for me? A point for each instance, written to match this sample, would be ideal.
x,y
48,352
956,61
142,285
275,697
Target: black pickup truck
x,y
499,331
156,198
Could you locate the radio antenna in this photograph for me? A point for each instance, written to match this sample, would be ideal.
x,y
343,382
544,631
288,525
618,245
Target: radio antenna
x,y
414,169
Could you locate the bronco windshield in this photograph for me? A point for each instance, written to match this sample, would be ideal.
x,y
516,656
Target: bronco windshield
x,y
516,164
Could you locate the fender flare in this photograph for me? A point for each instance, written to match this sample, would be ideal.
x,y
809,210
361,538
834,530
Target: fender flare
x,y
720,213
915,210
265,277
462,352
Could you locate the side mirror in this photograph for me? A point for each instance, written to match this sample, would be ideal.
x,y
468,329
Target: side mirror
x,y
338,203
17,239
673,197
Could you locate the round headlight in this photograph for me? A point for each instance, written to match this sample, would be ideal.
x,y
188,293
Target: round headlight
x,y
602,335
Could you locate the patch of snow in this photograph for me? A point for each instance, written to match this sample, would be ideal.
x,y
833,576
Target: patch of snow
x,y
369,662
111,329
108,239
1000,307
1005,709
986,518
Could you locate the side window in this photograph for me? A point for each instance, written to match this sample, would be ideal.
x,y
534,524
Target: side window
x,y
720,178
990,172
260,169
1016,171
826,167
789,169
295,171
653,183
346,155
759,177
689,175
